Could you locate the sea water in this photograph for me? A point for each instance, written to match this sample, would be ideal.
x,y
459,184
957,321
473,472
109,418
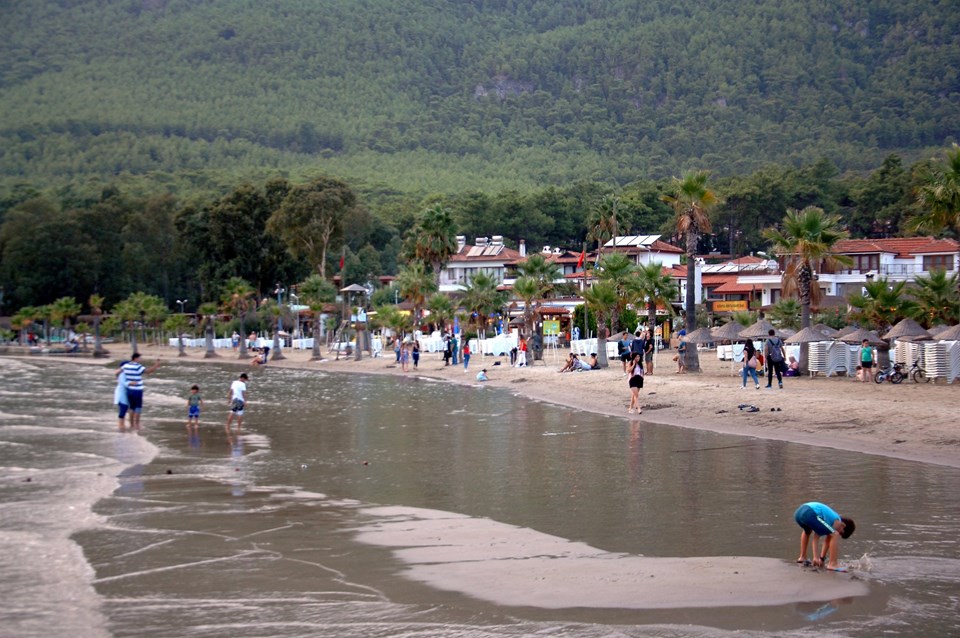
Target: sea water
x,y
171,532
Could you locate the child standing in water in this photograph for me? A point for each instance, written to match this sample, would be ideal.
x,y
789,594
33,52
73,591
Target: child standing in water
x,y
194,403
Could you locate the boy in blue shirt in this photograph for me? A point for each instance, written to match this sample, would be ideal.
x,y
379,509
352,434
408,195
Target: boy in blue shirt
x,y
822,522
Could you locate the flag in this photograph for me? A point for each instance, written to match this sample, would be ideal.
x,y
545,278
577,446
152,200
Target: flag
x,y
341,262
583,255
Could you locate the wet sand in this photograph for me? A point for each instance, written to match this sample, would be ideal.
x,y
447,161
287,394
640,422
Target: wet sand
x,y
911,421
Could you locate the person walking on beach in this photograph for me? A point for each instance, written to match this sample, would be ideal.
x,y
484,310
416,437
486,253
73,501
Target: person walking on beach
x,y
237,398
120,399
415,353
819,521
635,382
774,358
750,364
466,356
681,353
454,349
866,361
194,403
134,372
404,357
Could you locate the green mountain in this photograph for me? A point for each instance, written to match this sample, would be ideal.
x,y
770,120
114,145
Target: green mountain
x,y
457,95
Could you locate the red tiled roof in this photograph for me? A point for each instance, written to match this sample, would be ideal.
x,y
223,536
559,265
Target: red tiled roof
x,y
902,246
732,288
658,246
747,259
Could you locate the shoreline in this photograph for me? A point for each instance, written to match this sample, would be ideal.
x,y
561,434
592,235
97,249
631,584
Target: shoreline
x,y
913,422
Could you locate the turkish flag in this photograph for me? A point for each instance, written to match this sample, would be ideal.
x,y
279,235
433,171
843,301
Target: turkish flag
x,y
341,262
583,255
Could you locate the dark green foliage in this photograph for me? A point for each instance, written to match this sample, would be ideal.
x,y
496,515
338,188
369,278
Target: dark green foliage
x,y
429,97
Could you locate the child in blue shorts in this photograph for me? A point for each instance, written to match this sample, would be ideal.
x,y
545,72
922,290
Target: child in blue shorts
x,y
194,403
822,522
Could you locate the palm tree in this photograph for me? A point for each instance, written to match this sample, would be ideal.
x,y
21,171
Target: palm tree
x,y
786,313
657,288
807,242
545,273
24,318
692,201
96,307
415,284
481,298
601,298
939,196
275,312
154,312
128,312
237,294
937,298
45,312
528,291
441,309
177,323
602,221
62,310
621,272
433,240
884,304
208,311
316,291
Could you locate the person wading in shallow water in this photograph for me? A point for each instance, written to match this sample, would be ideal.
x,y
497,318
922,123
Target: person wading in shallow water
x,y
134,371
819,521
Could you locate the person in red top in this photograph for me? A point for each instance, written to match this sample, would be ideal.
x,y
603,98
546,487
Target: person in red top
x,y
466,356
522,353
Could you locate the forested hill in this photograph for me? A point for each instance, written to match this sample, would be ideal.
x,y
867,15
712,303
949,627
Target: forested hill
x,y
434,95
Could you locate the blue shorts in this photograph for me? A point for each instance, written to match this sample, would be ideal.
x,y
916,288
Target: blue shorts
x,y
807,519
122,410
135,399
236,406
193,412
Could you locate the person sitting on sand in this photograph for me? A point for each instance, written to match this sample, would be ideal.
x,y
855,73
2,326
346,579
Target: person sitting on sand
x,y
822,522
793,367
571,364
261,359
482,375
594,364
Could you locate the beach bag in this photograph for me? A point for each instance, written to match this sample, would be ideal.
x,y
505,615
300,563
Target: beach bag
x,y
753,362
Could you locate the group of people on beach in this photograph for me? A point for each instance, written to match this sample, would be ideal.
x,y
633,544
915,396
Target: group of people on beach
x,y
128,396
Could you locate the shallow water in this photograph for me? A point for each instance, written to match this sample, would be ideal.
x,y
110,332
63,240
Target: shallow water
x,y
172,534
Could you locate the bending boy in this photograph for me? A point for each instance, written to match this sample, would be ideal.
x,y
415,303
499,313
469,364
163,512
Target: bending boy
x,y
819,520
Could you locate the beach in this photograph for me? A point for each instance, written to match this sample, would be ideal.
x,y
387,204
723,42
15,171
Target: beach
x,y
487,496
909,421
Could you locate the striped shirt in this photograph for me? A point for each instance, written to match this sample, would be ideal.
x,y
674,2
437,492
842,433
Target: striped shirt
x,y
134,374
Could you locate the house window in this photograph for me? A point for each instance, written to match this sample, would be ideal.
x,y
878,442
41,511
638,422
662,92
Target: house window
x,y
866,263
937,262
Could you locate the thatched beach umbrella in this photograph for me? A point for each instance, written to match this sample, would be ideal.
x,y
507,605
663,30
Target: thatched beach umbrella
x,y
950,334
843,332
858,335
807,335
700,335
825,330
759,330
907,328
728,332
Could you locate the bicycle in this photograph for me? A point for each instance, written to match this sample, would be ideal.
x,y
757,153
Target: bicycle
x,y
891,374
917,373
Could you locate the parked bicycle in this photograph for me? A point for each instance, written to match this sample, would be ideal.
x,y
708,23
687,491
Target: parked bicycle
x,y
918,374
890,373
